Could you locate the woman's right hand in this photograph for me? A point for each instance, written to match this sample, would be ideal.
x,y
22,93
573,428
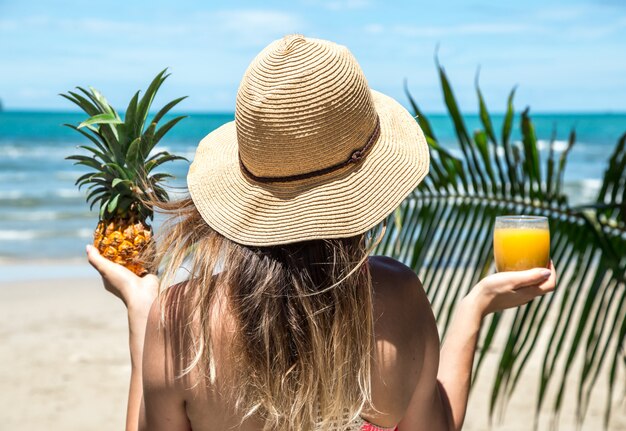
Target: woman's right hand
x,y
503,290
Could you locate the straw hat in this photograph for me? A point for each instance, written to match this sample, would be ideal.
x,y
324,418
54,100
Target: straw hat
x,y
313,153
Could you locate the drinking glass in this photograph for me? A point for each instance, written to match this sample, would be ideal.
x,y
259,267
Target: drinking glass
x,y
521,242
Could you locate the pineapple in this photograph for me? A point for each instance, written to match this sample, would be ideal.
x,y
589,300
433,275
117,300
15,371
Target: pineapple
x,y
122,178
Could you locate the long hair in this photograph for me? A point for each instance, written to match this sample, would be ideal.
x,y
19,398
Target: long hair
x,y
303,337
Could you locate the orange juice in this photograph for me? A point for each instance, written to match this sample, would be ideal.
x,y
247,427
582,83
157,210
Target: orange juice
x,y
520,248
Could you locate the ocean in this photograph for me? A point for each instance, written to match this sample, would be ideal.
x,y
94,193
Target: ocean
x,y
43,216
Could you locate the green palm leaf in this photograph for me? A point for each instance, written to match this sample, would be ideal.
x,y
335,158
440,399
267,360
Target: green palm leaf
x,y
444,232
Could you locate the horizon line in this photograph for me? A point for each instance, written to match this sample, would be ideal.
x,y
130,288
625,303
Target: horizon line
x,y
232,113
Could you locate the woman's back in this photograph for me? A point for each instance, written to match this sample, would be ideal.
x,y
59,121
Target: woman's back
x,y
298,329
406,343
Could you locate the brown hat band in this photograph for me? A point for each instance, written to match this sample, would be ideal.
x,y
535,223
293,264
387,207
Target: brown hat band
x,y
355,157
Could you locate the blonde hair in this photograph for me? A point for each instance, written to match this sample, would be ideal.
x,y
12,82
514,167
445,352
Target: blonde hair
x,y
303,339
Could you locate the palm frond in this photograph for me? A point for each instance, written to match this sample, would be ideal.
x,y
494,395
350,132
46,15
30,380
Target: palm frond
x,y
445,233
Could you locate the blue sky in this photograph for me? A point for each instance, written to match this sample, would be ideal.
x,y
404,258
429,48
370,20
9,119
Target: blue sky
x,y
563,55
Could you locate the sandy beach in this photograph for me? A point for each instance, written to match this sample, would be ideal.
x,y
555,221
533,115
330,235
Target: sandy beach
x,y
64,356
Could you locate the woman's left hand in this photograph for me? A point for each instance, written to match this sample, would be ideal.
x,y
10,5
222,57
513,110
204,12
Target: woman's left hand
x,y
137,293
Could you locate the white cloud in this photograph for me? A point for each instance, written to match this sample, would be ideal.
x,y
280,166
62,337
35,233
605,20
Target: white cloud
x,y
16,24
33,94
101,26
563,13
89,26
337,5
374,28
249,27
461,30
347,4
256,27
257,19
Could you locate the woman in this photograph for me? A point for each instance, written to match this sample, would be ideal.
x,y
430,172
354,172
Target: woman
x,y
284,322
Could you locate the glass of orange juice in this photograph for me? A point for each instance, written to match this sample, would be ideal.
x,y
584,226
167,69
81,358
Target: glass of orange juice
x,y
521,242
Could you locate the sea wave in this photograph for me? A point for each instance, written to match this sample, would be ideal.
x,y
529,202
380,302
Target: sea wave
x,y
44,215
582,191
35,199
26,151
17,194
15,176
34,234
68,174
35,150
559,145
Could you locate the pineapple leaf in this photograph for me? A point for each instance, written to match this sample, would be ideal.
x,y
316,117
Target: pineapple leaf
x,y
100,182
106,118
81,102
157,155
148,97
94,178
107,136
125,203
97,104
120,149
103,208
166,109
112,205
133,155
156,178
97,153
130,117
147,140
96,142
118,170
95,201
160,193
151,164
100,100
118,181
83,178
123,136
86,161
96,191
102,106
164,129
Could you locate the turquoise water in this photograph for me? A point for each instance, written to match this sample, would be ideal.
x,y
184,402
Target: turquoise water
x,y
44,216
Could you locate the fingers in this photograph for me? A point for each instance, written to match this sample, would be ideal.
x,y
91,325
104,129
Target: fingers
x,y
546,286
99,262
116,278
531,277
104,266
550,284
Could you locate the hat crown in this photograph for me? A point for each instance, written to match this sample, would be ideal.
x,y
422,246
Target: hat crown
x,y
303,105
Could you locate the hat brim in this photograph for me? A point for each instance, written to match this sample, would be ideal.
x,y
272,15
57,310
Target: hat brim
x,y
336,205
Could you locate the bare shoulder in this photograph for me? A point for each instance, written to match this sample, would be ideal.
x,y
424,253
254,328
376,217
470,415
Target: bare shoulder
x,y
406,336
396,284
399,297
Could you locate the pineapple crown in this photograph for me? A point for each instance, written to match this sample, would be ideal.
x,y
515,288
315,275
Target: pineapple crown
x,y
122,180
